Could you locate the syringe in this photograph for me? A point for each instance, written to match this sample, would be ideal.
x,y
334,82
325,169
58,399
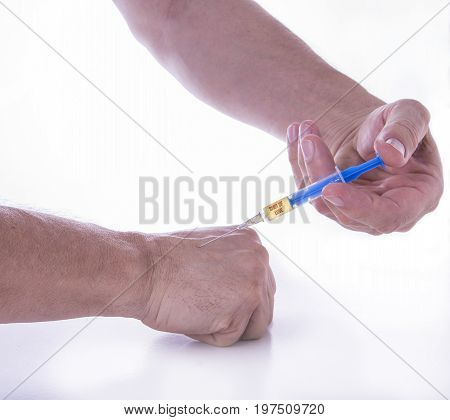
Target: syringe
x,y
304,195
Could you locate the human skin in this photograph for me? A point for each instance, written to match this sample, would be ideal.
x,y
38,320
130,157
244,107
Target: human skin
x,y
236,57
54,268
381,201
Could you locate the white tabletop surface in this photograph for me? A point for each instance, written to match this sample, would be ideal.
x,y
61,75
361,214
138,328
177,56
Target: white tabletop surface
x,y
356,316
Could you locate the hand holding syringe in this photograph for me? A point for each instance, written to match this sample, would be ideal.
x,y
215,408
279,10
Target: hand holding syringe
x,y
305,195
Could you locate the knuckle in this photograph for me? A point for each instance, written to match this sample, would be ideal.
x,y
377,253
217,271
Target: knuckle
x,y
390,227
410,102
250,233
263,253
417,106
407,228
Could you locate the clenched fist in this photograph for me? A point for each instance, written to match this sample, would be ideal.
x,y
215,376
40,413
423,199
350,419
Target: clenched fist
x,y
218,294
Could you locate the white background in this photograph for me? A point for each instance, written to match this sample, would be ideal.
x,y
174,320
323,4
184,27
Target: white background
x,y
66,150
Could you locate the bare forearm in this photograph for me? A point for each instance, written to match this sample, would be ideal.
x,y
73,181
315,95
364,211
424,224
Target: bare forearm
x,y
53,268
238,58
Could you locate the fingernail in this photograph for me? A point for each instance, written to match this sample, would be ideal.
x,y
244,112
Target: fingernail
x,y
307,149
292,133
337,201
398,145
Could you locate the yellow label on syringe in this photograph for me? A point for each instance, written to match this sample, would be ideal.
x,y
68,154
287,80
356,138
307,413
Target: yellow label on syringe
x,y
277,209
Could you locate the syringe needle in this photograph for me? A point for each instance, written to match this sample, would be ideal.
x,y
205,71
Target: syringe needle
x,y
221,236
253,221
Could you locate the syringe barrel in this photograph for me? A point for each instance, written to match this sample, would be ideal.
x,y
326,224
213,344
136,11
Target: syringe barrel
x,y
313,191
347,175
300,197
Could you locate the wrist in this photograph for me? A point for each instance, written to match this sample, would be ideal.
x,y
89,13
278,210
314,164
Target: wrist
x,y
135,256
331,99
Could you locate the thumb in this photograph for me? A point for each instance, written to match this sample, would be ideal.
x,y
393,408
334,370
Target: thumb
x,y
405,125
